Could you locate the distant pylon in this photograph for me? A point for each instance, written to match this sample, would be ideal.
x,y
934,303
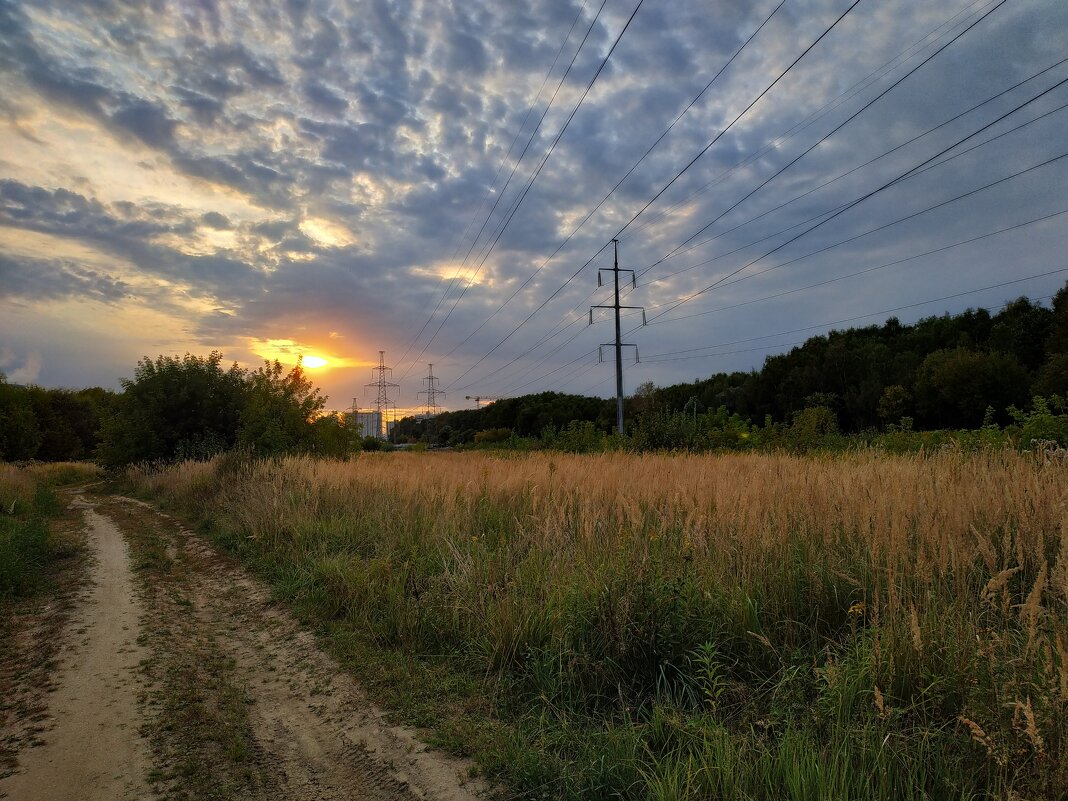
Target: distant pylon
x,y
382,386
432,392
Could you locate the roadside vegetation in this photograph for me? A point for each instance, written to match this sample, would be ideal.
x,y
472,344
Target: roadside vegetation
x,y
28,544
40,570
863,625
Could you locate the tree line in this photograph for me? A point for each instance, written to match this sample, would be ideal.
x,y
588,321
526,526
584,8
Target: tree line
x,y
944,372
958,371
941,372
174,407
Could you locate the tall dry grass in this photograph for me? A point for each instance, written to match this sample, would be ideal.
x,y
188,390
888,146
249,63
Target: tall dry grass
x,y
904,619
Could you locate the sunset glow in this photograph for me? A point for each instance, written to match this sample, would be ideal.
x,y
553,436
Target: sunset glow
x,y
329,179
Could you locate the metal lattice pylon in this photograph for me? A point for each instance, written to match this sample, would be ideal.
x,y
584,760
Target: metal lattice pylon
x,y
432,393
382,385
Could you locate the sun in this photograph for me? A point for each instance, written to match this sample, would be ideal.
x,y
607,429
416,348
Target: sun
x,y
314,361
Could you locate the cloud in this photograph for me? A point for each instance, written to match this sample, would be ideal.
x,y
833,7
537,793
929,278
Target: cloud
x,y
147,121
346,157
323,98
20,370
214,219
52,279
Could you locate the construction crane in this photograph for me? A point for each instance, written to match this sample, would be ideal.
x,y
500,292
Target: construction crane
x,y
479,398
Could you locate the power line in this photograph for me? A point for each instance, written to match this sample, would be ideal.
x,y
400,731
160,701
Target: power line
x,y
821,112
658,357
903,176
679,250
493,183
619,183
552,334
873,230
913,173
941,204
522,196
837,128
530,140
868,270
668,185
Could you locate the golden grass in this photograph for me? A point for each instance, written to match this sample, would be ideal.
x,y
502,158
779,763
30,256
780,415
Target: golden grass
x,y
937,583
917,517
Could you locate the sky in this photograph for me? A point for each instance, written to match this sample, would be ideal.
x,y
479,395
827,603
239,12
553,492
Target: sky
x,y
442,181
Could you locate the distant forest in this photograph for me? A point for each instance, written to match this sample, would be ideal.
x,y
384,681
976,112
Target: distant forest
x,y
942,372
950,372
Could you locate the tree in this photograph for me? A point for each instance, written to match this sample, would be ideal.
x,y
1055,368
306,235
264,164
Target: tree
x,y
1052,379
280,410
1021,329
1057,341
186,406
954,387
20,436
894,403
332,436
810,426
644,398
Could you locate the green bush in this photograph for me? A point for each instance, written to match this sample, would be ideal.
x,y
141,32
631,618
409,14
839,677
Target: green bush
x,y
1040,424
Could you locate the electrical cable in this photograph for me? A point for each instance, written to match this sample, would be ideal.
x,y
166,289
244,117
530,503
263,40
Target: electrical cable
x,y
870,194
657,357
941,204
515,166
493,183
918,170
522,196
619,183
668,185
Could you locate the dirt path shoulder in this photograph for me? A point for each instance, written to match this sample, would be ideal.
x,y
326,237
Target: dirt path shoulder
x,y
260,711
90,747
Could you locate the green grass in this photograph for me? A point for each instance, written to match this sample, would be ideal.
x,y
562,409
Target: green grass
x,y
28,545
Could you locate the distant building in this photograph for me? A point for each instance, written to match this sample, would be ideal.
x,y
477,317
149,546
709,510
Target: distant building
x,y
370,423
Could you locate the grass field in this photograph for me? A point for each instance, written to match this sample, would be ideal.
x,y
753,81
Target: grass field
x,y
861,626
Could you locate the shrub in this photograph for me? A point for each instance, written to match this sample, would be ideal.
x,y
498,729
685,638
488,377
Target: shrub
x,y
492,435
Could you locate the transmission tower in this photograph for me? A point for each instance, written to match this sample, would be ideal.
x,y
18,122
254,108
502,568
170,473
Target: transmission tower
x,y
618,344
382,386
432,393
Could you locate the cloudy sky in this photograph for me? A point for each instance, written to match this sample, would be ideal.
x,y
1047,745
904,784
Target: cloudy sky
x,y
334,178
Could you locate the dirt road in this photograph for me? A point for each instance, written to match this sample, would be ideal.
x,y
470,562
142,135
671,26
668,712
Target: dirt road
x,y
177,678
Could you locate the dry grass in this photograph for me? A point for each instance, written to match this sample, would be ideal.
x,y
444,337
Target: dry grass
x,y
827,603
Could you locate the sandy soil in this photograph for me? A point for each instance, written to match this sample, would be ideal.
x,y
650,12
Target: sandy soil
x,y
311,733
93,749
